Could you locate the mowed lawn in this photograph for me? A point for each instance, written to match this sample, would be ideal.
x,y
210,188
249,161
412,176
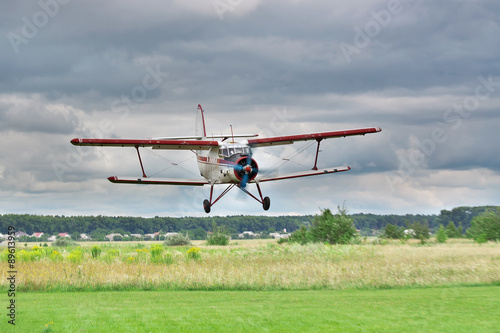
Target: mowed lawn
x,y
445,309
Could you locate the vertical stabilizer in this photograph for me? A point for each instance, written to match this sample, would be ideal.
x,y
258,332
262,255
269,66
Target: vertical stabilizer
x,y
200,123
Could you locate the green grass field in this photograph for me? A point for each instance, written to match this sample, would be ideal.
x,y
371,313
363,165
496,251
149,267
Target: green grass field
x,y
257,286
458,309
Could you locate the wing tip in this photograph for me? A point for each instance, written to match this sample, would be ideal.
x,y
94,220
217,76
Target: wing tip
x,y
75,141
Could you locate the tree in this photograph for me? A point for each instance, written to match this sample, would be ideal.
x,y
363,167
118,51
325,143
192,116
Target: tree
x,y
301,236
421,231
451,230
485,226
220,236
334,229
441,235
393,231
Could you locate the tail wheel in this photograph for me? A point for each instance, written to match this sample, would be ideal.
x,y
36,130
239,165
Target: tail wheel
x,y
206,206
266,203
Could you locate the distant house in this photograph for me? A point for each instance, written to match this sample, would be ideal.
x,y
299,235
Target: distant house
x,y
410,232
248,233
136,235
171,234
84,237
52,238
20,234
112,236
37,234
64,234
152,236
277,235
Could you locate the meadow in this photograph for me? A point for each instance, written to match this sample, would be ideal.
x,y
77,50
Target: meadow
x,y
253,265
255,286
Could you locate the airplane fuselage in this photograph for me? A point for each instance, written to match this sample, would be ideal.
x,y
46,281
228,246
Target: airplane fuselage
x,y
228,163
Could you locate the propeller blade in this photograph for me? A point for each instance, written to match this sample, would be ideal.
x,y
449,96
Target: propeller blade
x,y
244,181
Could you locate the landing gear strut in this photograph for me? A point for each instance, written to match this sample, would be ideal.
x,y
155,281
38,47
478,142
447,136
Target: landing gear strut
x,y
208,203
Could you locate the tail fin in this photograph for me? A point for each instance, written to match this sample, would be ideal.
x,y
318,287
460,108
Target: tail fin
x,y
200,123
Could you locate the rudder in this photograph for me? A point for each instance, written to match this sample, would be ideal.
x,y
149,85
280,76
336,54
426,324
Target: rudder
x,y
200,123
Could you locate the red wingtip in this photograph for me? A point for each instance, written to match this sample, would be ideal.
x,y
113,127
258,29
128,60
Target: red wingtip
x,y
75,141
113,179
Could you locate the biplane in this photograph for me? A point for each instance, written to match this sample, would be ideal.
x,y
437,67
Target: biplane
x,y
223,161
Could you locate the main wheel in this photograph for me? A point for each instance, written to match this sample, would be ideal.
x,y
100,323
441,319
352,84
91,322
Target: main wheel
x,y
266,203
206,206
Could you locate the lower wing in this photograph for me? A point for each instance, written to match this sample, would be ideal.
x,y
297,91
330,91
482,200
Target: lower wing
x,y
301,174
159,181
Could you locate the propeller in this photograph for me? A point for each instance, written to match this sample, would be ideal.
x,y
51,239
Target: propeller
x,y
246,169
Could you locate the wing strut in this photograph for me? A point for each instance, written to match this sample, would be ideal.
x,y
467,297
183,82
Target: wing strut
x,y
140,161
315,167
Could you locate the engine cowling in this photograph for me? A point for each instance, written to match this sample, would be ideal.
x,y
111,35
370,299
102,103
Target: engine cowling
x,y
246,168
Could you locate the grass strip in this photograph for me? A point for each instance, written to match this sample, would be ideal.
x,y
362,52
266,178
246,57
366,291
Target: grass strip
x,y
453,309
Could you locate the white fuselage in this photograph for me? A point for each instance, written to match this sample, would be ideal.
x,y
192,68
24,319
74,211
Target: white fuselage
x,y
225,163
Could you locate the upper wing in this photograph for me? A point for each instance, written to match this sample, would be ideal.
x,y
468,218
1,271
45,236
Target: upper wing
x,y
289,139
301,174
156,144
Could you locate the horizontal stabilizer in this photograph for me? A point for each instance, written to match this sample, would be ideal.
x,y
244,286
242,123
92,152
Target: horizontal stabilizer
x,y
159,181
301,174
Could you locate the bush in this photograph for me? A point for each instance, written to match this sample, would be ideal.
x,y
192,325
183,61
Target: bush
x,y
485,226
194,253
96,251
177,240
301,236
394,232
420,231
220,236
334,229
156,253
63,242
76,256
441,235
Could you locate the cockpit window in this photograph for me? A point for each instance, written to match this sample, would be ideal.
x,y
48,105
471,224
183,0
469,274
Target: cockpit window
x,y
230,151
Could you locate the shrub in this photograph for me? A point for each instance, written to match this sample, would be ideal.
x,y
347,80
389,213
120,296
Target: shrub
x,y
177,240
194,253
64,242
334,229
420,231
55,256
301,236
394,232
441,235
220,236
156,253
76,256
96,251
485,226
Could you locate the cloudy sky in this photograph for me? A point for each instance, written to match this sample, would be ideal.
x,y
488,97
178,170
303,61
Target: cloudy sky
x,y
426,72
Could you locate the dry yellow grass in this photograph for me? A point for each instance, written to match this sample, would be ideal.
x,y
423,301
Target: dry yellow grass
x,y
268,266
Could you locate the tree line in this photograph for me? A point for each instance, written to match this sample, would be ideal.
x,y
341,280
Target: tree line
x,y
460,216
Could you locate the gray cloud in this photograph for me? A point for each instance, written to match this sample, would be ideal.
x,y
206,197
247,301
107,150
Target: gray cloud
x,y
79,66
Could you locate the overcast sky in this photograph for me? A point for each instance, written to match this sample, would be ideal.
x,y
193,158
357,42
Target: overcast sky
x,y
426,72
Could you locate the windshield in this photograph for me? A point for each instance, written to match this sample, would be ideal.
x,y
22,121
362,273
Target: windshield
x,y
232,150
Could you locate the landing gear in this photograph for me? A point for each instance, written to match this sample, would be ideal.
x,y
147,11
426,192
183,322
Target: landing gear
x,y
266,203
206,206
208,203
